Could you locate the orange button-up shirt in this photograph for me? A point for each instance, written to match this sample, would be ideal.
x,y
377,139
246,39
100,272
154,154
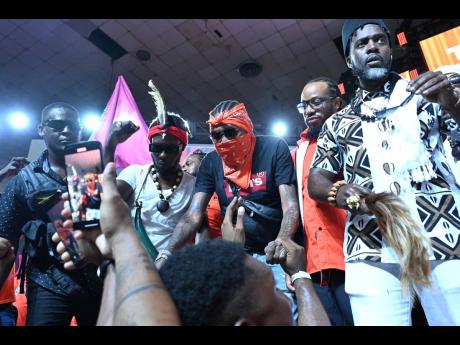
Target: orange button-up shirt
x,y
324,225
215,218
7,291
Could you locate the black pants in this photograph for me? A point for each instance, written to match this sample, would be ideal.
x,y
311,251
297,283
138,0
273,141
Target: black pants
x,y
330,288
46,308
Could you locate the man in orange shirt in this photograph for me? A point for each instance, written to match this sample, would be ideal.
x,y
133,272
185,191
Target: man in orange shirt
x,y
214,215
323,224
8,313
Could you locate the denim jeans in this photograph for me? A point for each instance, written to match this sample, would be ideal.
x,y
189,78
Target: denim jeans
x,y
8,314
280,283
46,308
333,296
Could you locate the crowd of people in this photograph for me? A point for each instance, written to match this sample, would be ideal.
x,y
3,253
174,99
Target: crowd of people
x,y
347,229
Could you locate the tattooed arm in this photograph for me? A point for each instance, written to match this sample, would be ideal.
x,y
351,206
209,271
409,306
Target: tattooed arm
x,y
290,206
189,224
140,296
274,251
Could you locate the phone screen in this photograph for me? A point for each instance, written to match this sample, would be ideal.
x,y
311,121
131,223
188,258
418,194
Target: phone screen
x,y
84,182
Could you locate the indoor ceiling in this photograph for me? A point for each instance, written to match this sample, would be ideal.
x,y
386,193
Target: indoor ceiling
x,y
192,61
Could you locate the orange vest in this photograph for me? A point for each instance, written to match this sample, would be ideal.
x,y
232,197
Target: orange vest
x,y
21,303
324,225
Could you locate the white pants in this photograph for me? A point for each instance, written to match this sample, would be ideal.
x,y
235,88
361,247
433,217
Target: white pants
x,y
377,298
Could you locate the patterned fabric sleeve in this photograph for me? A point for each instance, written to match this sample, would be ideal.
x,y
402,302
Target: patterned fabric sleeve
x,y
328,155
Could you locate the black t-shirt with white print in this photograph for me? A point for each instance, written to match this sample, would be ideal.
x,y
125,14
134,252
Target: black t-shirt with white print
x,y
272,166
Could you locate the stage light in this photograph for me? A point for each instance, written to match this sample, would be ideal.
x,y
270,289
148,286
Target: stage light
x,y
19,120
402,40
341,87
280,129
91,122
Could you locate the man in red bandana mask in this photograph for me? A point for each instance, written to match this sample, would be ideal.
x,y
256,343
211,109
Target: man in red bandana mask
x,y
259,169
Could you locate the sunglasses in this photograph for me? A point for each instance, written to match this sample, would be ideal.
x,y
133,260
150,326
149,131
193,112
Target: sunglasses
x,y
168,149
230,133
59,125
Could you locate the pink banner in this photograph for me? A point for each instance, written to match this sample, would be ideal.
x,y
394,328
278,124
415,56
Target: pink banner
x,y
122,107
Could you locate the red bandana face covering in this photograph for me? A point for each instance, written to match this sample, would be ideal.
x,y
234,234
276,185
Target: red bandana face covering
x,y
236,154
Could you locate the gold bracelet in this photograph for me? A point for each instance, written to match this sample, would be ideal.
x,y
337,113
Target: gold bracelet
x,y
332,195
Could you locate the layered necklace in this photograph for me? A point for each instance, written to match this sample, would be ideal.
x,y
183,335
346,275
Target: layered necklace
x,y
163,204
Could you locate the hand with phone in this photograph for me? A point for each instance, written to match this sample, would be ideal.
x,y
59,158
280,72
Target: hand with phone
x,y
115,219
92,244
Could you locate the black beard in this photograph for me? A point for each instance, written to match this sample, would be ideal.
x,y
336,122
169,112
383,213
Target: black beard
x,y
166,172
313,133
372,75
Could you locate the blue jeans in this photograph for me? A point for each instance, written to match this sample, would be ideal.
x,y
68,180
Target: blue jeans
x,y
333,297
280,283
8,314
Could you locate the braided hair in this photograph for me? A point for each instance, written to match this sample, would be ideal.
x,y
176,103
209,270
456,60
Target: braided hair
x,y
223,107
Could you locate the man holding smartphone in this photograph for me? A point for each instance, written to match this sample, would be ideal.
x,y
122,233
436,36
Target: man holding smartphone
x,y
54,295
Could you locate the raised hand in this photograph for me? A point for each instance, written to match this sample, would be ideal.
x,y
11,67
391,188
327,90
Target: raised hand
x,y
230,232
121,131
13,167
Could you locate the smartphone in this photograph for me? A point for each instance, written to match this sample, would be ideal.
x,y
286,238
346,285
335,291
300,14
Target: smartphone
x,y
84,182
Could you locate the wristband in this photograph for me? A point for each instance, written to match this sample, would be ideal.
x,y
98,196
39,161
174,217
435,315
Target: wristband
x,y
102,269
298,275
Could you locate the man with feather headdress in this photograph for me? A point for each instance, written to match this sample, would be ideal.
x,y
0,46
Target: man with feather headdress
x,y
159,192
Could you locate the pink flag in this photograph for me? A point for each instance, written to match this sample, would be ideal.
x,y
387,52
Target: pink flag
x,y
122,107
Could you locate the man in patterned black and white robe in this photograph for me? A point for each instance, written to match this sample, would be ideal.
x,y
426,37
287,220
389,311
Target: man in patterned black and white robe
x,y
390,138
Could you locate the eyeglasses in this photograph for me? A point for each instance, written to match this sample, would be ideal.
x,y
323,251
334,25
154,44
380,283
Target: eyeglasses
x,y
59,125
168,149
315,103
230,133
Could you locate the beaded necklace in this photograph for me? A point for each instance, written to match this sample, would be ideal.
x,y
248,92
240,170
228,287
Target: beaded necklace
x,y
163,204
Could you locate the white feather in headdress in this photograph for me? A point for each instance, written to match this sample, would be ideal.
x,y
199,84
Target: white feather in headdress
x,y
159,104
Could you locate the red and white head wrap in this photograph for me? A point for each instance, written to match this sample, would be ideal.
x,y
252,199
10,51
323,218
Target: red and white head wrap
x,y
177,132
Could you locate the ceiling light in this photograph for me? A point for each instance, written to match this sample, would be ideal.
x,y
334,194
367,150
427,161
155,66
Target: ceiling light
x,y
279,129
19,120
